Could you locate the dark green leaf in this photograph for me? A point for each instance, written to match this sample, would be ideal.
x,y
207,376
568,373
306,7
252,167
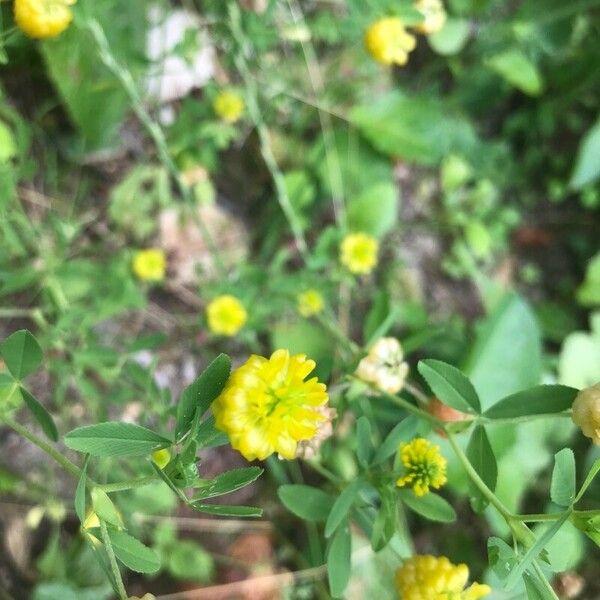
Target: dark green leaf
x,y
364,444
132,553
404,431
306,502
538,400
198,396
115,438
228,482
338,561
562,490
384,525
42,416
431,506
342,507
22,353
450,385
80,491
228,511
208,436
481,455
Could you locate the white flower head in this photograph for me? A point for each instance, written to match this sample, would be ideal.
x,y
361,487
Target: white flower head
x,y
384,367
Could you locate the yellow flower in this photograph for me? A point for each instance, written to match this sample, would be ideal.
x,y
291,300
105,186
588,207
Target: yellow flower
x,y
586,412
384,366
425,466
43,18
150,264
267,406
358,253
388,42
229,106
144,597
434,13
226,315
426,577
310,303
161,458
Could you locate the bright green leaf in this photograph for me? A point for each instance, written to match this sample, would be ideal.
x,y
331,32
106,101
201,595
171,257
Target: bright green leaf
x,y
223,510
517,70
132,553
306,502
431,506
43,417
375,210
342,507
588,480
481,455
364,443
404,431
22,353
562,490
587,165
538,400
104,507
80,491
338,561
228,482
452,38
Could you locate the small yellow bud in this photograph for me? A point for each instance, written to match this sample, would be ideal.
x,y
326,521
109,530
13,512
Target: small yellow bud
x,y
226,315
310,303
229,106
150,264
43,18
586,412
388,42
161,458
358,253
424,465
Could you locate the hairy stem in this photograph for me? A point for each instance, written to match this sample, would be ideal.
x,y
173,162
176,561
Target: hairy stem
x,y
112,559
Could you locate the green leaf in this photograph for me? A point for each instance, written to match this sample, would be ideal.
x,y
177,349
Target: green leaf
x,y
197,397
534,590
562,490
384,525
132,553
223,510
587,165
80,491
188,561
450,385
588,293
404,431
228,482
452,38
22,353
431,506
43,417
538,400
588,480
342,507
338,561
8,145
306,502
115,438
208,436
501,557
364,444
517,70
481,455
104,507
375,210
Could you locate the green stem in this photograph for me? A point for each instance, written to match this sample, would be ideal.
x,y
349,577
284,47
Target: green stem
x,y
121,486
112,559
411,408
544,581
524,419
330,324
538,518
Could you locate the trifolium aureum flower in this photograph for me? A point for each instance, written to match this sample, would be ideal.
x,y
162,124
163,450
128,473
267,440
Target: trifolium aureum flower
x,y
267,406
388,42
229,106
43,18
161,458
310,303
150,264
424,466
226,315
358,253
586,412
384,367
426,577
434,16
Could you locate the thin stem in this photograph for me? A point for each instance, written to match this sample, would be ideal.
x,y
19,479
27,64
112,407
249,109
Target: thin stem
x,y
524,419
544,581
415,410
112,559
416,392
332,327
538,518
121,486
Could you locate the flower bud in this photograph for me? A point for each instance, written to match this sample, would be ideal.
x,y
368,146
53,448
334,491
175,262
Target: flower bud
x,y
586,412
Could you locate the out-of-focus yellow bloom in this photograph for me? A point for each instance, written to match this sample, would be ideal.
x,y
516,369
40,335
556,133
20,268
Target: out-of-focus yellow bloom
x,y
434,13
424,464
228,105
358,253
43,18
384,366
388,42
150,264
426,577
161,458
226,315
310,303
586,412
267,406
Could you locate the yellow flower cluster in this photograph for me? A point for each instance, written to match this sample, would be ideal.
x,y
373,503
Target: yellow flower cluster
x,y
358,253
267,406
384,366
586,412
229,106
426,577
424,465
150,264
310,303
43,18
226,315
161,458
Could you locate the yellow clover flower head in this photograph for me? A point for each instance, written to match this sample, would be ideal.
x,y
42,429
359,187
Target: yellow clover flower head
x,y
434,16
426,577
226,315
150,264
310,303
228,106
424,465
358,253
267,406
144,597
388,42
586,412
384,367
43,18
161,458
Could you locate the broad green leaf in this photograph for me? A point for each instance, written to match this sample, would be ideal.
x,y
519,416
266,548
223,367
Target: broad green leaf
x,y
538,400
587,165
43,417
404,431
188,561
132,553
338,561
375,210
80,491
104,507
115,438
450,385
517,70
364,444
21,353
534,590
481,455
562,490
431,506
306,502
342,507
501,557
223,510
197,397
588,480
452,38
228,482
